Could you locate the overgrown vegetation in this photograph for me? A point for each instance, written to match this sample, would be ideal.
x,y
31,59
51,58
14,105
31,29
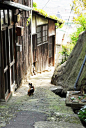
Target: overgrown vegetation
x,y
81,21
64,53
28,20
82,114
66,50
34,5
59,23
79,8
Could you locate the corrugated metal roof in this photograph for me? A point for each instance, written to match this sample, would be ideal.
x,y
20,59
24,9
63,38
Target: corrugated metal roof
x,y
17,5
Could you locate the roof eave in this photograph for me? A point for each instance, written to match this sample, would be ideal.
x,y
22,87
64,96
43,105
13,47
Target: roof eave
x,y
36,12
13,5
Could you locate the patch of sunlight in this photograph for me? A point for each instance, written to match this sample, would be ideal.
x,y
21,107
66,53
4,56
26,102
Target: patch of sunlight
x,y
19,94
35,100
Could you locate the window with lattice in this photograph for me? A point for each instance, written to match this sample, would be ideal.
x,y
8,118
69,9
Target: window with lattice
x,y
42,34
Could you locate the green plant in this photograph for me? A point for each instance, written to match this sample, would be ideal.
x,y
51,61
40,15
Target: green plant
x,y
81,20
66,50
79,6
34,5
79,97
65,53
82,114
72,99
84,96
28,20
59,23
75,36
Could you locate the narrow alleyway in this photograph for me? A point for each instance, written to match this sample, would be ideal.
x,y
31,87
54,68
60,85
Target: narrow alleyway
x,y
42,110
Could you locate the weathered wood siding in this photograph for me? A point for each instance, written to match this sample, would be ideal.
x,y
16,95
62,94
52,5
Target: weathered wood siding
x,y
51,42
23,58
7,52
13,64
42,47
41,21
45,50
52,29
33,24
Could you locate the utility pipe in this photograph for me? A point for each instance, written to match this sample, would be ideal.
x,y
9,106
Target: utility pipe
x,y
80,72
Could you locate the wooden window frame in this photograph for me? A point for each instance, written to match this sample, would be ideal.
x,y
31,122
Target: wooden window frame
x,y
41,34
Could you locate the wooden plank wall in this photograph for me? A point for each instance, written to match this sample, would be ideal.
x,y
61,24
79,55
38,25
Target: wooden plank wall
x,y
51,42
51,45
23,58
40,49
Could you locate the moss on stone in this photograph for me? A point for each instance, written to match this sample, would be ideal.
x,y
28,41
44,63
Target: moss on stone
x,y
67,76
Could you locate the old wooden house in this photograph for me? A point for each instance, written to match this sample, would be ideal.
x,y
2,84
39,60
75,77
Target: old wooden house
x,y
23,47
43,39
15,44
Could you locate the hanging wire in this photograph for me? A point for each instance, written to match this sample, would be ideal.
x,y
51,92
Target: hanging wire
x,y
46,3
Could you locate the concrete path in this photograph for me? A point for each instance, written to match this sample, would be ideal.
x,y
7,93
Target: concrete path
x,y
44,109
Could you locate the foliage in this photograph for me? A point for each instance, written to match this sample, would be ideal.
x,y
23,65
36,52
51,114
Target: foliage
x,y
66,50
41,11
82,114
64,53
59,23
34,5
81,20
28,20
79,6
75,36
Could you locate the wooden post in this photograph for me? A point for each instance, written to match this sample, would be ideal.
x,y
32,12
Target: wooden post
x,y
14,41
0,55
2,65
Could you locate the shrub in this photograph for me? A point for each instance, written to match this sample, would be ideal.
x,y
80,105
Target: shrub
x,y
82,114
66,50
75,36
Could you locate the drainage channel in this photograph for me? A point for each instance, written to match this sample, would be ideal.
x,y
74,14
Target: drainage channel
x,y
58,91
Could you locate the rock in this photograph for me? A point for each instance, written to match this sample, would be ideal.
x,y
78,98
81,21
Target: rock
x,y
83,100
59,124
57,89
67,73
75,101
75,92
